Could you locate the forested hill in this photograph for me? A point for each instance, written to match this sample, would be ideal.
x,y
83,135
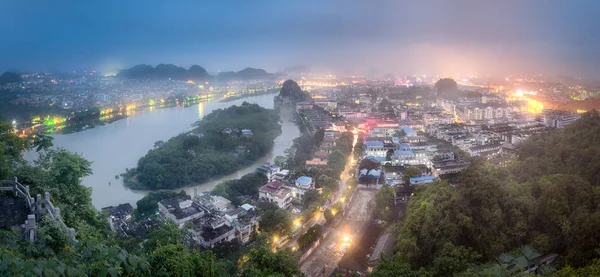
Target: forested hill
x,y
549,199
572,150
216,146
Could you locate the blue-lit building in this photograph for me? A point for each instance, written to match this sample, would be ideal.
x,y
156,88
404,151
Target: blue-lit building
x,y
410,132
422,180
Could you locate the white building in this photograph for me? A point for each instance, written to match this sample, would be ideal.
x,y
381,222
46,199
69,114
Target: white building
x,y
179,209
274,192
301,186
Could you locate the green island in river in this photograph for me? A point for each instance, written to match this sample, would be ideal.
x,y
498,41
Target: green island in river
x,y
219,144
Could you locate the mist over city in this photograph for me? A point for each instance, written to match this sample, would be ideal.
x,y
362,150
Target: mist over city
x,y
300,138
342,37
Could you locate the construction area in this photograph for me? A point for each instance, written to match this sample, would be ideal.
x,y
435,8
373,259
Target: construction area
x,y
361,206
342,240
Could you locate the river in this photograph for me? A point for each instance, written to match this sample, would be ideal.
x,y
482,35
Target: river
x,y
116,146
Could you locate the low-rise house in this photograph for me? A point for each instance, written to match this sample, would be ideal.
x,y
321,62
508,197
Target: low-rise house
x,y
244,220
374,148
383,248
221,203
247,133
321,155
403,193
209,231
441,167
118,216
444,155
370,177
275,192
300,187
480,150
315,163
394,174
280,175
179,209
526,259
268,170
305,182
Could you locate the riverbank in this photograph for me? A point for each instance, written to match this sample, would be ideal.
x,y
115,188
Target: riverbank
x,y
246,95
221,143
117,146
68,122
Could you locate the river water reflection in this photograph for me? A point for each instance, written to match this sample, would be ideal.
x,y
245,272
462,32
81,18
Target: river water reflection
x,y
114,147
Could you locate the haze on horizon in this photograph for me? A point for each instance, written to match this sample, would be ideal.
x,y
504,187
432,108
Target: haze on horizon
x,y
406,37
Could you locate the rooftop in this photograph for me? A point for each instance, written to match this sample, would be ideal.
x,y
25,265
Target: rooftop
x,y
422,179
374,143
304,180
118,211
272,186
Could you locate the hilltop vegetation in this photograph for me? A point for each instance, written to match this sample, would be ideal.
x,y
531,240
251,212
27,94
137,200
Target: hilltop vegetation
x,y
246,74
164,71
291,89
549,199
216,146
195,72
9,78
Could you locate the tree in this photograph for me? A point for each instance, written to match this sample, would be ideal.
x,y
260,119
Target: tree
x,y
411,172
312,234
11,148
385,105
273,220
399,133
261,261
177,260
280,161
389,154
42,142
591,270
395,267
168,233
158,144
328,215
310,197
318,137
453,260
384,200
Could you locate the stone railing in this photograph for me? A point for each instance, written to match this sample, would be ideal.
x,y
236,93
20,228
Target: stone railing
x,y
37,207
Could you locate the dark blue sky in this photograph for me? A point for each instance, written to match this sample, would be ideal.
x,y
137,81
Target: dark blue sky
x,y
423,37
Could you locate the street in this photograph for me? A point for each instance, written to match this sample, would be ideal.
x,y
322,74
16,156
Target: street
x,y
332,249
292,240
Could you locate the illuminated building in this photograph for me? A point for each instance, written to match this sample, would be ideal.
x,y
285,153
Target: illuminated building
x,y
558,119
481,112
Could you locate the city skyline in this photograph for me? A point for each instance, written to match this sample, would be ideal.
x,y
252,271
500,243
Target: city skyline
x,y
464,37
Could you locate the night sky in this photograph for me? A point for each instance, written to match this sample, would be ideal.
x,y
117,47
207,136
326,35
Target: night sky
x,y
408,37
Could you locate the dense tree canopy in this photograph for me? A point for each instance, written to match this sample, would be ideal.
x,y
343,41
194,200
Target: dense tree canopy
x,y
548,198
273,220
215,147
